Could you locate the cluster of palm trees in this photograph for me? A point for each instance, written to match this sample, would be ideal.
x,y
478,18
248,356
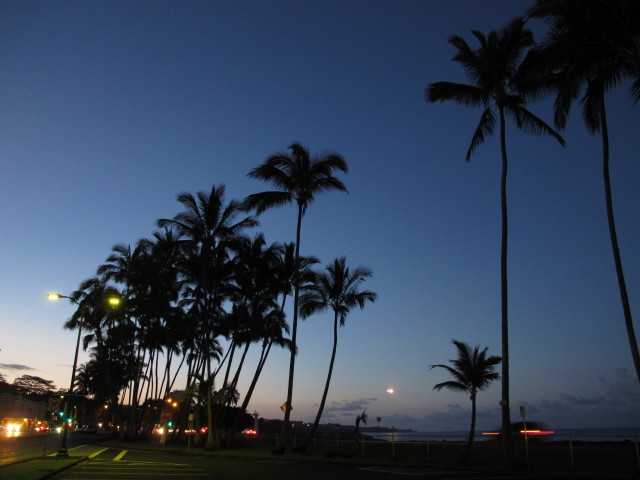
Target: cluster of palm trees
x,y
200,282
591,47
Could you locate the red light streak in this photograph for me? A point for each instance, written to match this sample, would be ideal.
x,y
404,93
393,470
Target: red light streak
x,y
528,432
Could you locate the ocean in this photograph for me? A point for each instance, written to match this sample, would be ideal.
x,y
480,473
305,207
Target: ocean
x,y
576,434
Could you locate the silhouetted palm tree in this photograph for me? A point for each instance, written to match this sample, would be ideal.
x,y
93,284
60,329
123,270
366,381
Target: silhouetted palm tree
x,y
337,289
299,178
207,227
493,71
472,371
592,46
362,418
257,289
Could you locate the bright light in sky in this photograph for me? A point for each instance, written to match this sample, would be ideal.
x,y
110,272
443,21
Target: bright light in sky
x,y
390,391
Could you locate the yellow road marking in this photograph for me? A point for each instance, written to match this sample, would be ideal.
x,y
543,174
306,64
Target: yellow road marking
x,y
95,454
68,450
120,455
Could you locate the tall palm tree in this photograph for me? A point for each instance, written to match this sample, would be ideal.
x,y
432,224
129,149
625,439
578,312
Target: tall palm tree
x,y
591,47
299,178
337,289
207,227
493,69
129,268
472,372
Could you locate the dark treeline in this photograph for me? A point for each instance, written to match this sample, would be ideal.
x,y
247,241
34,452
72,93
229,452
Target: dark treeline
x,y
206,279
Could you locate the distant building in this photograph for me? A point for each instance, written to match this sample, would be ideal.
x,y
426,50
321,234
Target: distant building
x,y
15,406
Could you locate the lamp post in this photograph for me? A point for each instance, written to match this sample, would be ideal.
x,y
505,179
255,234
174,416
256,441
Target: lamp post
x,y
63,451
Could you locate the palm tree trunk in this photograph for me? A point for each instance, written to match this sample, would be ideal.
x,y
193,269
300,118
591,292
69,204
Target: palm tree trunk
x,y
472,431
266,348
219,411
316,422
210,444
157,370
284,432
624,297
175,375
227,405
149,376
507,443
166,374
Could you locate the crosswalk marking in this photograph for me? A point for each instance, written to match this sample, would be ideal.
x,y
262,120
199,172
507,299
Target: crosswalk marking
x,y
95,454
112,463
68,450
120,455
128,469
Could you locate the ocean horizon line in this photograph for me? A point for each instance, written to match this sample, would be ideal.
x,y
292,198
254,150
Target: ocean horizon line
x,y
579,434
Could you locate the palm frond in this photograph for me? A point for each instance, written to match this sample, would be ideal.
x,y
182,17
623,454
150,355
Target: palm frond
x,y
486,127
533,124
260,202
466,95
634,90
472,370
451,385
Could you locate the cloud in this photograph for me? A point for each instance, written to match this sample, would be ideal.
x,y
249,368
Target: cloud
x,y
572,401
617,404
623,388
455,417
398,421
545,404
348,407
16,366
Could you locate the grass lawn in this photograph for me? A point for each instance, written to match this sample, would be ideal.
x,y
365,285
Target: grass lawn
x,y
36,468
579,458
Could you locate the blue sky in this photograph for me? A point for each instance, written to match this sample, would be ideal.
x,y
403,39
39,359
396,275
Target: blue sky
x,y
111,109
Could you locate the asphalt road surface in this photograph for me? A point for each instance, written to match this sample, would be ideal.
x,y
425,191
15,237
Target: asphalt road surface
x,y
32,444
107,463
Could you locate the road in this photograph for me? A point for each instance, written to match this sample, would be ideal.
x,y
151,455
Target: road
x,y
15,447
116,463
106,463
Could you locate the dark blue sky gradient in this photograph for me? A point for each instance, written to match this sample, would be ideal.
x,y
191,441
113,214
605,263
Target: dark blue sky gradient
x,y
110,109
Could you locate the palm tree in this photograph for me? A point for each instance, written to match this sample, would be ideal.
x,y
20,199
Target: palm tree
x,y
362,418
207,227
493,69
299,178
472,371
335,289
129,267
257,288
592,46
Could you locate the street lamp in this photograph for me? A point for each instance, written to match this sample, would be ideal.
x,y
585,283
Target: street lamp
x,y
63,451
